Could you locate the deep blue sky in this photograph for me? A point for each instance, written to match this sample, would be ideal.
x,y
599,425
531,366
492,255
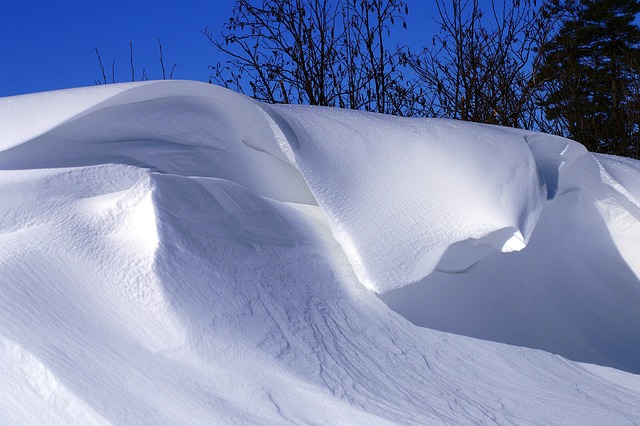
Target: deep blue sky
x,y
47,45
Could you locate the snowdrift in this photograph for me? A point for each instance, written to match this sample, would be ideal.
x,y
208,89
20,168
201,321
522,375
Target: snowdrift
x,y
176,252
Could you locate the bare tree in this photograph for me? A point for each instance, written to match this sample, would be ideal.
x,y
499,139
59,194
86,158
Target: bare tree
x,y
482,65
318,52
375,80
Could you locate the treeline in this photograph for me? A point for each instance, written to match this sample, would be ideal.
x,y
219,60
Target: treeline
x,y
568,67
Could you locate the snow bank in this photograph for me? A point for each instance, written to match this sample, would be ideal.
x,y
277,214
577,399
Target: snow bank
x,y
384,183
400,192
177,129
575,289
173,251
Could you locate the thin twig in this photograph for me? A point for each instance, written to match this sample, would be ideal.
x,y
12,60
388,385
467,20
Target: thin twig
x,y
164,77
104,77
131,60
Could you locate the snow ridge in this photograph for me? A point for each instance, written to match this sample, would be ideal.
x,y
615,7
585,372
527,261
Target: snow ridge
x,y
176,252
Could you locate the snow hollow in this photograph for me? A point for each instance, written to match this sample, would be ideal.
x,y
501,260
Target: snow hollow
x,y
177,253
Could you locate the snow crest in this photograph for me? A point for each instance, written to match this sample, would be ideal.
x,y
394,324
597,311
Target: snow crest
x,y
399,193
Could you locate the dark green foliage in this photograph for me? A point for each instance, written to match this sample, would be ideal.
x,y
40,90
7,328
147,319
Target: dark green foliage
x,y
591,74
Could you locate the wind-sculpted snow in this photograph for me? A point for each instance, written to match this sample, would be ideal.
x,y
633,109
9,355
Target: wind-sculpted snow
x,y
398,192
173,252
384,183
574,290
176,130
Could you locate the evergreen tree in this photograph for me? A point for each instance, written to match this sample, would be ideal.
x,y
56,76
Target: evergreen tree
x,y
590,75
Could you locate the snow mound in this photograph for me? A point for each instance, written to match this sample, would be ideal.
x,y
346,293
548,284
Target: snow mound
x,y
176,252
399,192
177,129
574,290
384,183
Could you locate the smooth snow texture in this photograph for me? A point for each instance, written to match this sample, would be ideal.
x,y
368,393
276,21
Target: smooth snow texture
x,y
399,192
173,252
574,290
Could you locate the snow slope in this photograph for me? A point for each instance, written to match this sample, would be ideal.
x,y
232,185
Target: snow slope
x,y
173,252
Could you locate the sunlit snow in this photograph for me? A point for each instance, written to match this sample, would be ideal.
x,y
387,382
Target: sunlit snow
x,y
177,253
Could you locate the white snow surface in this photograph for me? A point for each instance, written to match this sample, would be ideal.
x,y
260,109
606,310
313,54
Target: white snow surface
x,y
177,253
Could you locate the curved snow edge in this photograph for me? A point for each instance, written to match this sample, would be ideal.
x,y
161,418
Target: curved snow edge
x,y
381,183
403,197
